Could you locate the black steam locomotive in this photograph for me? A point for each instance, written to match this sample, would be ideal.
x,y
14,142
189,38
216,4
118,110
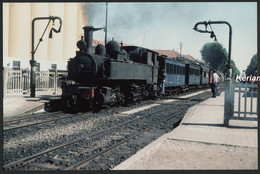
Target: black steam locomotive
x,y
121,75
111,75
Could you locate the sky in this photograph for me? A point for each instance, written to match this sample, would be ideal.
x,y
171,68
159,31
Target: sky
x,y
163,25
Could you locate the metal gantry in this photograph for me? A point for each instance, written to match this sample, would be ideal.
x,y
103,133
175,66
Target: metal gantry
x,y
228,80
32,61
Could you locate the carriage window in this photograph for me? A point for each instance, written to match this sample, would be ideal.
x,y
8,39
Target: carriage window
x,y
174,69
171,68
167,68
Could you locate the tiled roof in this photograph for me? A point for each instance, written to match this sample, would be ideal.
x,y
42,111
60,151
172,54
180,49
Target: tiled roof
x,y
174,54
189,57
168,53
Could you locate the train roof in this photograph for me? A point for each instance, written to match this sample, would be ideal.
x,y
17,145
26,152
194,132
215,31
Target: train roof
x,y
130,48
172,59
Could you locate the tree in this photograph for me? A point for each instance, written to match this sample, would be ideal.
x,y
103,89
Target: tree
x,y
235,71
215,55
252,67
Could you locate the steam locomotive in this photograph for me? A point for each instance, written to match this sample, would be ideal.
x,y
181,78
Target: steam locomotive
x,y
121,75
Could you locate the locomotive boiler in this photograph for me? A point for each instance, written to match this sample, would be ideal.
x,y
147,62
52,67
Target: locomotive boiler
x,y
111,75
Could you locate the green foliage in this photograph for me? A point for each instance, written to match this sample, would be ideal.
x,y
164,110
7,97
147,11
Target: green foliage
x,y
252,66
235,71
215,55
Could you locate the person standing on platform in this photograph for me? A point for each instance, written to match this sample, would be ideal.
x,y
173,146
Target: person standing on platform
x,y
215,83
211,81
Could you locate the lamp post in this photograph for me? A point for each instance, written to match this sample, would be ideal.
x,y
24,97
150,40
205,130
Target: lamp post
x,y
32,61
228,81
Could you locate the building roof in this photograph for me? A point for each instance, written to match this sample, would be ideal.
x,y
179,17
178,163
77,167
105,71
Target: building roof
x,y
168,53
174,54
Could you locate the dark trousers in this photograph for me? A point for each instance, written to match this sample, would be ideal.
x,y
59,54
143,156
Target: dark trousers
x,y
213,87
215,84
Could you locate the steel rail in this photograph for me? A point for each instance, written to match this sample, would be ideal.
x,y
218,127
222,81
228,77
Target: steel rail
x,y
34,124
31,117
25,160
85,162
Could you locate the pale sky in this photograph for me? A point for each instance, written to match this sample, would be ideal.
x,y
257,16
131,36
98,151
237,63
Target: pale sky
x,y
163,25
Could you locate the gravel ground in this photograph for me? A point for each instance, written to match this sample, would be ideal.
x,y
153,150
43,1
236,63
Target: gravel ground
x,y
28,141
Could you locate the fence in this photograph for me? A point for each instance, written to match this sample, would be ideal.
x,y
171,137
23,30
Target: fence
x,y
244,101
18,81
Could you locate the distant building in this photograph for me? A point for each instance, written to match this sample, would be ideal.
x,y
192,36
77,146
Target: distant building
x,y
174,54
51,53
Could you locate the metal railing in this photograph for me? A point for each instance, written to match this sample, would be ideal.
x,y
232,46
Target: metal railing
x,y
14,79
244,101
18,81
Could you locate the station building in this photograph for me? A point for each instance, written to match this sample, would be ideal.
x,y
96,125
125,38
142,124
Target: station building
x,y
51,53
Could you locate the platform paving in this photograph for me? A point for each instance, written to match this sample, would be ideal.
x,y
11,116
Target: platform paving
x,y
201,142
22,103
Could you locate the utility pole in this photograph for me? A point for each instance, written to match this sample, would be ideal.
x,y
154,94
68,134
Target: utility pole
x,y
106,23
180,48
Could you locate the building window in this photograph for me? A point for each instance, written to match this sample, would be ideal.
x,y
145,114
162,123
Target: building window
x,y
53,66
37,67
16,65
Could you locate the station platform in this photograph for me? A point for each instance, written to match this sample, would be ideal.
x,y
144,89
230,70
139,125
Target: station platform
x,y
201,142
18,104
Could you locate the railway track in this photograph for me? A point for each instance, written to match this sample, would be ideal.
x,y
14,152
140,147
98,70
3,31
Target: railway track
x,y
83,163
34,120
28,117
26,160
57,153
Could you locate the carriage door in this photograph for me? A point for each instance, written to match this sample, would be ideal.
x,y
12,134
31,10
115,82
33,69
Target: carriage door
x,y
187,73
152,60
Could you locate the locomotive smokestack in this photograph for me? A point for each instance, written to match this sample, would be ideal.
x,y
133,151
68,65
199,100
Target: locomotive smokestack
x,y
88,34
